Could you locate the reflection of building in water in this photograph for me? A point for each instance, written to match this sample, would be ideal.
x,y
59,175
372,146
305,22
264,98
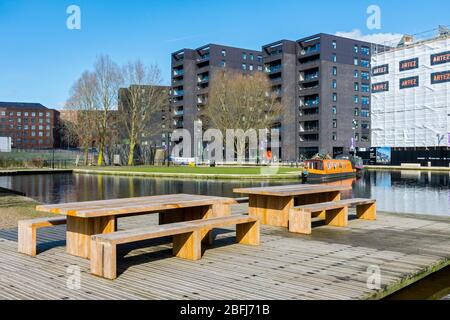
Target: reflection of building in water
x,y
427,193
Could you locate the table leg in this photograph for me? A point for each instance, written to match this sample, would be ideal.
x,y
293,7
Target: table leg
x,y
318,198
271,210
80,230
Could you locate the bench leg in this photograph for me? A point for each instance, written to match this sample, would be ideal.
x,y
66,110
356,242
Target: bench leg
x,y
103,259
367,211
27,239
337,217
300,221
248,233
188,245
321,215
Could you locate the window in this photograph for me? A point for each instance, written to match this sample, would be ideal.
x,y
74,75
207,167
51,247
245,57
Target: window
x,y
356,113
41,114
244,66
26,114
3,113
19,114
365,63
252,57
224,53
334,72
223,63
365,101
244,56
47,127
33,127
365,113
41,127
334,97
260,68
25,127
47,134
33,114
41,120
333,110
365,51
365,75
356,136
355,124
334,136
355,48
334,44
365,88
48,114
260,58
356,99
356,86
334,57
365,125
334,84
334,123
250,67
355,61
364,138
33,134
356,74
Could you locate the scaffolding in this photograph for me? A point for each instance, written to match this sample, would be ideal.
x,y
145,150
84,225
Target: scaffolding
x,y
411,111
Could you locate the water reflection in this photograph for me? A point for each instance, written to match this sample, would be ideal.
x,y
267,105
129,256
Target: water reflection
x,y
395,191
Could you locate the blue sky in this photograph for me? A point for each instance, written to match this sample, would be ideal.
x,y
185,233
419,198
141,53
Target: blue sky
x,y
40,58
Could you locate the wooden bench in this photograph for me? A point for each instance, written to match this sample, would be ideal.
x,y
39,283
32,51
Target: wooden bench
x,y
27,232
186,240
335,213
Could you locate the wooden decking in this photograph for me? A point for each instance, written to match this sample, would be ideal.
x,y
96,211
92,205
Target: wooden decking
x,y
332,263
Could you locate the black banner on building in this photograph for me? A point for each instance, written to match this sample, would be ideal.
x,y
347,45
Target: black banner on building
x,y
410,82
380,70
380,87
409,64
440,77
440,58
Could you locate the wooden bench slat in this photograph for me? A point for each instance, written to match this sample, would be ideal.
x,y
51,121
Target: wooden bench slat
x,y
334,204
291,190
153,232
44,222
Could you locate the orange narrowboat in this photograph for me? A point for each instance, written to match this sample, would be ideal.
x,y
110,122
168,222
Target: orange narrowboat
x,y
323,170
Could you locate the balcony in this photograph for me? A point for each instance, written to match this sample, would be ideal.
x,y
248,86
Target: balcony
x,y
309,137
309,63
178,93
311,76
178,72
204,79
309,89
273,69
178,113
178,124
309,102
203,58
310,50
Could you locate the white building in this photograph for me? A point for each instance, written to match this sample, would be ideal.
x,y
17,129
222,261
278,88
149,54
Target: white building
x,y
5,144
411,94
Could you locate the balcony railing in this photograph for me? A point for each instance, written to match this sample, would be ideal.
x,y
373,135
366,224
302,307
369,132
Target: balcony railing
x,y
178,72
178,93
178,112
274,69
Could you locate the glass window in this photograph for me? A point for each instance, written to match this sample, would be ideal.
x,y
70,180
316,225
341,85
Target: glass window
x,y
48,114
365,75
356,86
252,57
365,113
224,53
365,51
334,136
244,66
3,113
365,125
244,56
355,48
334,84
334,57
223,63
334,44
334,110
356,136
356,99
26,114
33,114
356,74
260,58
334,97
250,67
41,114
365,63
356,113
355,61
365,101
334,72
365,88
334,123
260,68
19,114
354,124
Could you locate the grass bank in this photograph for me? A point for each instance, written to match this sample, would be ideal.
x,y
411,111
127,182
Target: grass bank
x,y
253,173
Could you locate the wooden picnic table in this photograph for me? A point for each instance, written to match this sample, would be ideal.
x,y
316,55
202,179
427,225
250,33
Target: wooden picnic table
x,y
85,219
271,204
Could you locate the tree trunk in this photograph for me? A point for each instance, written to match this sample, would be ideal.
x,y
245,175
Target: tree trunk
x,y
131,153
86,155
100,155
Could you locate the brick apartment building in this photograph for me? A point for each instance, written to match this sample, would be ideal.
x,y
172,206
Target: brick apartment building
x,y
29,125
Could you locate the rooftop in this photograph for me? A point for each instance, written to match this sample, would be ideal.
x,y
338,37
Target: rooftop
x,y
23,105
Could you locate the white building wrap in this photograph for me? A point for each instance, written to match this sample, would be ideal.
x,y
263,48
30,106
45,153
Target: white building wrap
x,y
411,95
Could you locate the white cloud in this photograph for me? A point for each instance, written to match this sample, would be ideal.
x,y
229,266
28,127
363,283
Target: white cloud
x,y
379,38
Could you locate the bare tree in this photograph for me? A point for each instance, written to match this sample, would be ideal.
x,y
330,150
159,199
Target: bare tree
x,y
84,118
239,101
141,104
108,80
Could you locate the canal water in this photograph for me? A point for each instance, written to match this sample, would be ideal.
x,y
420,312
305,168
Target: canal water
x,y
396,191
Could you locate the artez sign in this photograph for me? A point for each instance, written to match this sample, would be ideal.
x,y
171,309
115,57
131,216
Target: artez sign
x,y
380,70
440,77
440,58
409,64
380,87
410,82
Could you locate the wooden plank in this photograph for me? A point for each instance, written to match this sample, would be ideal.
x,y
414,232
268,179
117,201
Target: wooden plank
x,y
291,190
